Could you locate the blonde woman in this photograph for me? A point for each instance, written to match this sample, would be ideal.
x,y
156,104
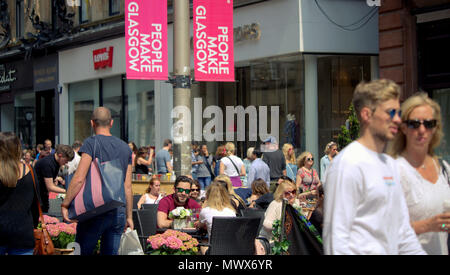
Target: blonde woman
x,y
285,190
217,204
18,204
237,202
425,185
291,163
330,152
232,166
307,177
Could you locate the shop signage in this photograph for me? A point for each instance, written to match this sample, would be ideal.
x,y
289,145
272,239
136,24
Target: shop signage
x,y
213,40
103,57
45,72
146,51
7,76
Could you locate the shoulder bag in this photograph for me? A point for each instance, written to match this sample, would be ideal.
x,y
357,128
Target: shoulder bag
x,y
43,244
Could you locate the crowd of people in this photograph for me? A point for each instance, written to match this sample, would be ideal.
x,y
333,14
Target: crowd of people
x,y
385,193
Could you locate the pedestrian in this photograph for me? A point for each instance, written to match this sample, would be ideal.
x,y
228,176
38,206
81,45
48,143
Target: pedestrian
x,y
180,198
424,182
365,209
274,158
109,226
143,160
330,152
220,153
134,152
204,172
291,162
73,164
47,170
259,169
307,176
232,166
247,163
27,159
48,146
163,158
19,213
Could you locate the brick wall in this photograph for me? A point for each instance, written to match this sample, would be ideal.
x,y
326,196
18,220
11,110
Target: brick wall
x,y
398,50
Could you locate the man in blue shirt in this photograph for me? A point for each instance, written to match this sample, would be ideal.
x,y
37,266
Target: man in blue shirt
x,y
163,165
259,169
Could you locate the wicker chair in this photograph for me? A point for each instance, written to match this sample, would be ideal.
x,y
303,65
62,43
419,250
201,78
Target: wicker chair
x,y
233,236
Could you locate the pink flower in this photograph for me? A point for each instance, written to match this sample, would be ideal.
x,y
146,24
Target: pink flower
x,y
174,242
157,242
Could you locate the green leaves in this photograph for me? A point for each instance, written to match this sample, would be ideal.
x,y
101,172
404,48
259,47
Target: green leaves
x,y
351,133
282,246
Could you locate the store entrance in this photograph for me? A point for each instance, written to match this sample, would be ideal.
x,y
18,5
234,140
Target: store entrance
x,y
45,116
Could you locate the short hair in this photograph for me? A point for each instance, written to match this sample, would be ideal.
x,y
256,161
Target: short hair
x,y
183,179
101,116
329,146
398,145
167,142
65,150
77,144
259,187
257,152
250,152
371,94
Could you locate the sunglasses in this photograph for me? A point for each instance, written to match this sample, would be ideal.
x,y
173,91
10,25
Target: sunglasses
x,y
309,159
414,124
292,193
181,190
194,190
392,112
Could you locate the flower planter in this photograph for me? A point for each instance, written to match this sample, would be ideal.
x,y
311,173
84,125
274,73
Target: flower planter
x,y
180,223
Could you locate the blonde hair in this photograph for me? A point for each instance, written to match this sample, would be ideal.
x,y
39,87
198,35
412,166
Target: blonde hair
x,y
398,145
227,180
10,155
250,152
217,197
371,94
285,150
230,148
279,193
329,146
302,158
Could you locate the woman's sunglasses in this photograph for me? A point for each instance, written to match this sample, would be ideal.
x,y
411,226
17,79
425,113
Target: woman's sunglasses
x,y
309,159
194,190
414,124
288,193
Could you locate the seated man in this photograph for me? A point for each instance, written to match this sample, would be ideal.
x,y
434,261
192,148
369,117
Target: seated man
x,y
182,189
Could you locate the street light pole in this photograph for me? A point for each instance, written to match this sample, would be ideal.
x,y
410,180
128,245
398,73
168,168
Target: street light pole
x,y
181,81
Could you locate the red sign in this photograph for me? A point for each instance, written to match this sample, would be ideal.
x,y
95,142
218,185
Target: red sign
x,y
146,50
103,58
213,40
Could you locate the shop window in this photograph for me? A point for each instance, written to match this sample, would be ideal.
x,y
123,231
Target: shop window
x,y
25,124
114,7
442,97
84,11
20,22
112,99
83,98
140,114
337,79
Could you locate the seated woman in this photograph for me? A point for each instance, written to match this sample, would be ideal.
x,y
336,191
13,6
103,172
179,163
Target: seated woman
x,y
141,162
259,188
236,201
285,190
195,192
152,194
217,204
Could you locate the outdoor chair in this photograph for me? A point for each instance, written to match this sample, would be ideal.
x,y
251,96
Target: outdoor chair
x,y
145,223
149,206
136,199
54,209
233,236
259,213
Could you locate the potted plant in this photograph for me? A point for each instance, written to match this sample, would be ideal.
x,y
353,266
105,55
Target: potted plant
x,y
61,233
172,242
180,217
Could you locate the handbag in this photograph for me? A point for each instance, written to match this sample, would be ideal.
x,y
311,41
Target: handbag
x,y
43,244
237,182
130,244
102,191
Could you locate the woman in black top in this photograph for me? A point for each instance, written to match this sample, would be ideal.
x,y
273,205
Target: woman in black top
x,y
18,205
141,165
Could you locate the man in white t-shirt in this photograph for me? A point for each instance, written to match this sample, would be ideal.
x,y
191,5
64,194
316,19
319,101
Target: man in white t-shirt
x,y
365,211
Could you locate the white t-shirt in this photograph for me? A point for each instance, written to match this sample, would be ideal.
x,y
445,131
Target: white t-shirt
x,y
365,210
229,168
207,214
149,200
425,200
73,164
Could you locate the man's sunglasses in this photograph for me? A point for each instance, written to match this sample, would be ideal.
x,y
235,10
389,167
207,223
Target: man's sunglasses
x,y
414,124
181,190
392,113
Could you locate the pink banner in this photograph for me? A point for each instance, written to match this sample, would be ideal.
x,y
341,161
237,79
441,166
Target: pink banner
x,y
146,39
213,40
